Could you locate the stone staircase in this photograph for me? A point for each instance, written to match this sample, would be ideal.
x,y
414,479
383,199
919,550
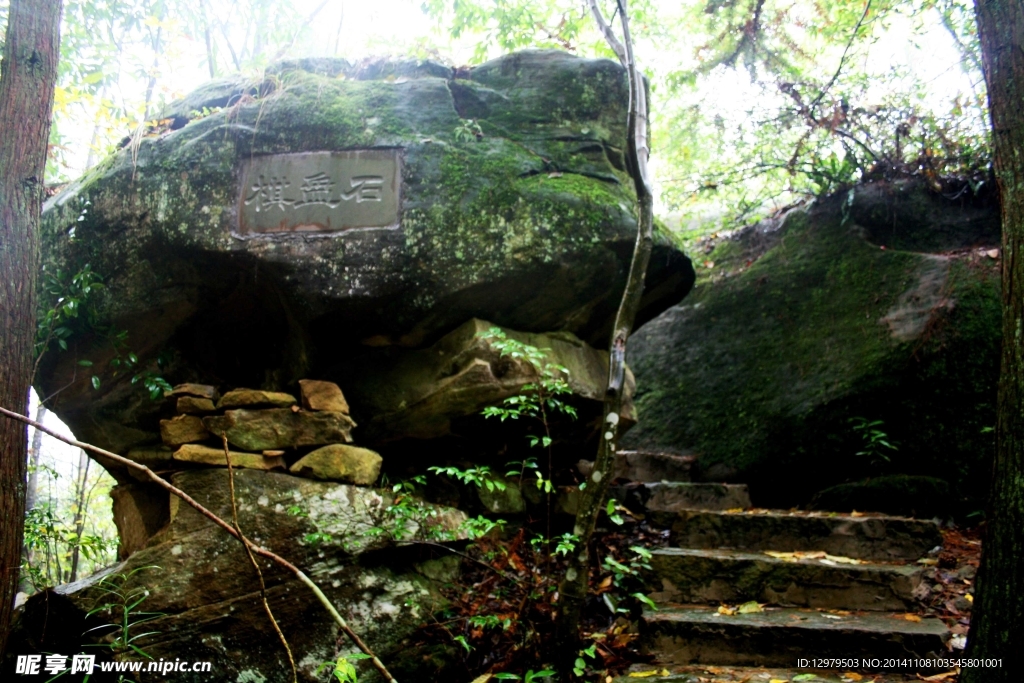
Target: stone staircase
x,y
767,588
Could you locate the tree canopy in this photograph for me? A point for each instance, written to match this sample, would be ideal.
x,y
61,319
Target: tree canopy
x,y
756,104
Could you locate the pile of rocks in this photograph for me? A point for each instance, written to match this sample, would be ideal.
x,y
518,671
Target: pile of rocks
x,y
270,430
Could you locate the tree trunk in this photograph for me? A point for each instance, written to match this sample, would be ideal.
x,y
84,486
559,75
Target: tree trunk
x,y
26,99
996,626
572,590
33,483
80,487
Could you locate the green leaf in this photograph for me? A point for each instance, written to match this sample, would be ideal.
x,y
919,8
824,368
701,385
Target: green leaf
x,y
95,382
85,363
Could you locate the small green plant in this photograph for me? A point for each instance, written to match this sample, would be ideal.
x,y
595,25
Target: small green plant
x,y
122,605
539,400
342,669
475,476
875,443
468,130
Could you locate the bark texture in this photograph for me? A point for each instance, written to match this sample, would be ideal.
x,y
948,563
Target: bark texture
x,y
29,72
996,630
573,588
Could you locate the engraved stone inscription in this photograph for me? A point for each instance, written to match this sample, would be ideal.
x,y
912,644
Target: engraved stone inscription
x,y
320,191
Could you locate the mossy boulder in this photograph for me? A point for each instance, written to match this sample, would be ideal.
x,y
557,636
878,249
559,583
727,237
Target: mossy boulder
x,y
206,595
511,202
800,325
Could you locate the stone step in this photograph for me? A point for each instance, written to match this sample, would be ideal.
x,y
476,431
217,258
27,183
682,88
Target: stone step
x,y
677,673
732,576
645,466
672,496
866,537
782,637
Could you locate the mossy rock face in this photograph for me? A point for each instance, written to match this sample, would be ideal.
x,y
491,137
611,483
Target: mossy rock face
x,y
207,595
803,324
514,205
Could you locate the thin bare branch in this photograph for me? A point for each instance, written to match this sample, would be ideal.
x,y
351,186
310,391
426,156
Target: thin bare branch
x,y
606,31
252,560
842,60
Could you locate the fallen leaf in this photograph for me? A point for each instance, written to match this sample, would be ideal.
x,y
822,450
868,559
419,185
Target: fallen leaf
x,y
852,676
726,610
805,677
779,680
911,617
750,608
844,560
856,514
969,597
941,677
831,616
482,679
928,561
647,674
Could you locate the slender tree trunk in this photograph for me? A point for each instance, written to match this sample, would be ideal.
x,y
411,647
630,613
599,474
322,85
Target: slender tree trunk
x,y
997,626
573,588
80,488
29,72
34,453
33,483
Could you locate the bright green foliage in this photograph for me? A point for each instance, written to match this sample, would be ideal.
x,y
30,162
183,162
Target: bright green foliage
x,y
123,594
342,669
875,441
539,400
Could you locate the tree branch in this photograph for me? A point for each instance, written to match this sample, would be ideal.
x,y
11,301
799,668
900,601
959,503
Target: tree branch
x,y
252,560
259,550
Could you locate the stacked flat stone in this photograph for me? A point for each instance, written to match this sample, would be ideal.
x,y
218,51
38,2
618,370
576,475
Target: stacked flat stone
x,y
264,426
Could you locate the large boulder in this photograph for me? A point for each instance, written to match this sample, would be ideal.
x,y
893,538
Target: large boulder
x,y
332,207
206,593
885,308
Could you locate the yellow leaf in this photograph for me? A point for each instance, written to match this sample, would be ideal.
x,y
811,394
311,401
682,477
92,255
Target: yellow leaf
x,y
779,680
911,617
856,514
970,598
750,608
928,561
482,679
844,560
726,610
851,676
644,674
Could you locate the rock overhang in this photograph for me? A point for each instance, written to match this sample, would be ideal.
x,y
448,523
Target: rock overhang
x,y
513,204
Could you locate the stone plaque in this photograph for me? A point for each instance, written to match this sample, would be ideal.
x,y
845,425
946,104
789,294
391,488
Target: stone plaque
x,y
320,191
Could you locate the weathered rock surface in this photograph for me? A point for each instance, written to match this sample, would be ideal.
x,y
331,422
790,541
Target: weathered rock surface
x,y
195,390
209,595
864,537
699,635
320,395
190,405
207,455
672,496
734,577
183,429
800,323
527,221
342,463
253,398
273,428
418,394
906,495
645,466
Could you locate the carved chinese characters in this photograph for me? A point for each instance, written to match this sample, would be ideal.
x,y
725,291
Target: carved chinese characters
x,y
320,191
